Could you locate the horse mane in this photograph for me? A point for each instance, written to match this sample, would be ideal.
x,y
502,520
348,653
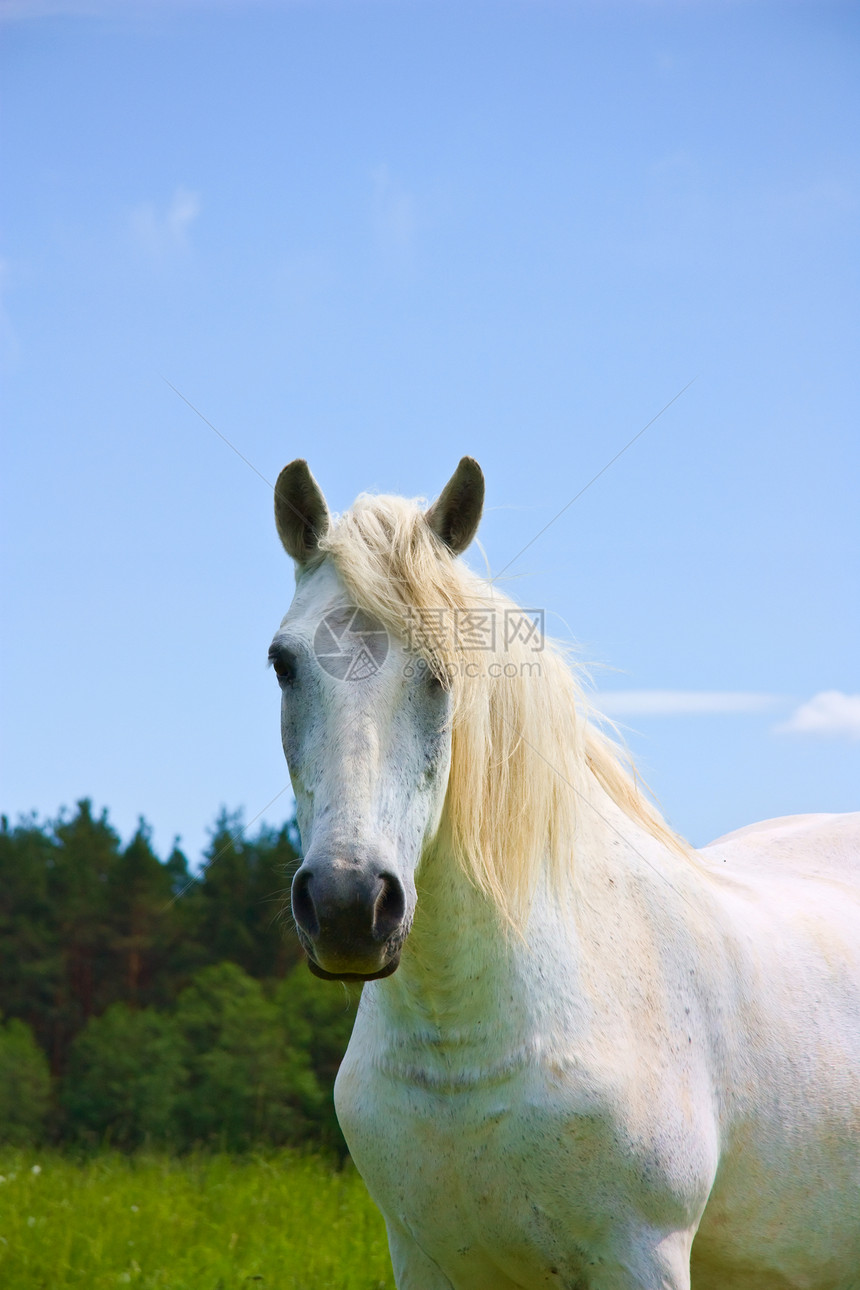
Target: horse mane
x,y
522,745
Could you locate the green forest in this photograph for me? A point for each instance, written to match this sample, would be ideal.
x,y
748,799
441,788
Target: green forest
x,y
144,1004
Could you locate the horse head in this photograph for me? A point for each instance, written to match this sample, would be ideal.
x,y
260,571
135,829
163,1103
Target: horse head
x,y
366,730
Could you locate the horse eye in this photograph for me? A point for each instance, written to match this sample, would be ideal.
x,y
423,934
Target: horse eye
x,y
284,663
436,683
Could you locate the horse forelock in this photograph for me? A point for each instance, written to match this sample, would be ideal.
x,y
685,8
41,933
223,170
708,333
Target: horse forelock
x,y
523,748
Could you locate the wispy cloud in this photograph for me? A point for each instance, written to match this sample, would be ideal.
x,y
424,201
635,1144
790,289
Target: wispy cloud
x,y
161,232
681,703
9,350
22,10
830,714
394,215
19,10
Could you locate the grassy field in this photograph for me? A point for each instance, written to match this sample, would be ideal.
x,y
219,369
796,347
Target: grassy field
x,y
207,1222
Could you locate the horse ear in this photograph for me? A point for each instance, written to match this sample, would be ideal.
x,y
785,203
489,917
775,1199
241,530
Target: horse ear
x,y
455,515
301,514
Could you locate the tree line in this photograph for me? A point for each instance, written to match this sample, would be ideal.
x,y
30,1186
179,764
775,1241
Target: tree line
x,y
143,1003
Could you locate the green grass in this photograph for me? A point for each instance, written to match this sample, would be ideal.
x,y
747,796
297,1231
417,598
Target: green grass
x,y
205,1222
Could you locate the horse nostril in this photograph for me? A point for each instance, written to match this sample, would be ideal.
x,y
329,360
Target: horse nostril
x,y
389,907
304,911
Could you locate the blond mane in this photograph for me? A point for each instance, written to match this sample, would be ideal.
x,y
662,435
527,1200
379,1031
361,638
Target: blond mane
x,y
522,746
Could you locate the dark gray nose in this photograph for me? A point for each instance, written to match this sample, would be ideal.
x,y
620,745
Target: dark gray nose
x,y
347,916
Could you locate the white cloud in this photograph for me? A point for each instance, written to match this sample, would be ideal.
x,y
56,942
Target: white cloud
x,y
831,714
681,703
159,234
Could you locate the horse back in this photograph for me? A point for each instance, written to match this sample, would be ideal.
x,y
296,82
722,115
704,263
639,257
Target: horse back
x,y
810,845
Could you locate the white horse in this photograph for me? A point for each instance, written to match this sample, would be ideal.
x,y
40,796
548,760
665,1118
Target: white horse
x,y
586,1056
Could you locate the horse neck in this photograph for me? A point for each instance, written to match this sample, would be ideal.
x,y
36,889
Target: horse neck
x,y
455,1013
468,984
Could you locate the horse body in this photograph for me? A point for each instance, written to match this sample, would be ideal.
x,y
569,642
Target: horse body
x,y
584,1056
787,1192
576,1115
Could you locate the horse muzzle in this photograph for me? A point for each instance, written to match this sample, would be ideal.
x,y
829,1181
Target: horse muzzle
x,y
351,920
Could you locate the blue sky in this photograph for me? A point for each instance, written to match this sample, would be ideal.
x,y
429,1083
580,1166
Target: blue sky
x,y
382,235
